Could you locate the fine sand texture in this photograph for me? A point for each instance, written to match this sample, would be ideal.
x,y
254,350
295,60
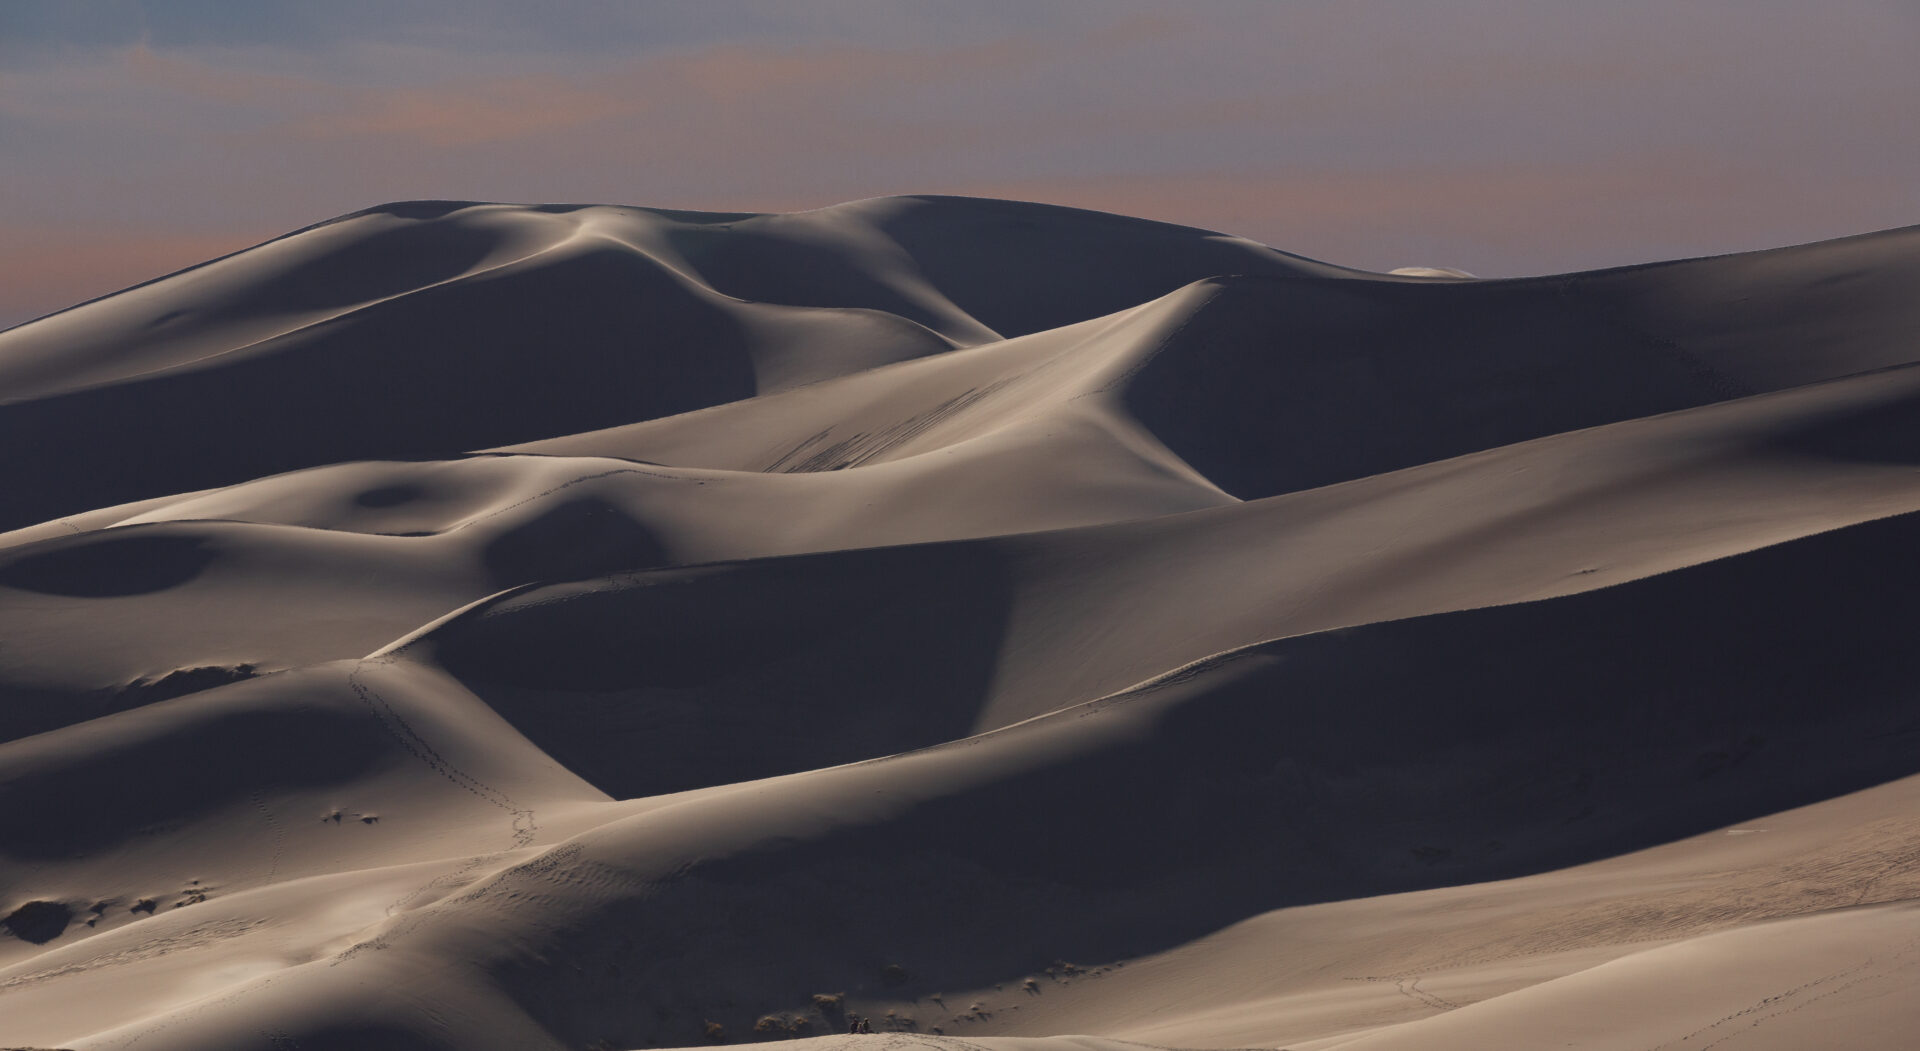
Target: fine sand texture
x,y
459,627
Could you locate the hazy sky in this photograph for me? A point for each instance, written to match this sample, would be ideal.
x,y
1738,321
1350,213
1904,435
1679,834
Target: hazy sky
x,y
1502,137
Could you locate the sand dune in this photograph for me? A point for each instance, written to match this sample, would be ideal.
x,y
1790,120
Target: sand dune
x,y
470,626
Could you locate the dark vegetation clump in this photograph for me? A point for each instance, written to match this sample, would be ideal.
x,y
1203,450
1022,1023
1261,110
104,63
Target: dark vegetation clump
x,y
38,922
184,681
782,1027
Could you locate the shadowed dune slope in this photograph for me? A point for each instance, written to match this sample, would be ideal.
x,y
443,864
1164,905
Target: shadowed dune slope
x,y
474,626
1266,385
1406,754
1472,745
422,329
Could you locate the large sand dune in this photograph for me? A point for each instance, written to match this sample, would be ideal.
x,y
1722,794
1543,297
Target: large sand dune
x,y
471,626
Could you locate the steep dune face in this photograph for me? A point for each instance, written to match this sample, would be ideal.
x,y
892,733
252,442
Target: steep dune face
x,y
425,329
466,626
1446,739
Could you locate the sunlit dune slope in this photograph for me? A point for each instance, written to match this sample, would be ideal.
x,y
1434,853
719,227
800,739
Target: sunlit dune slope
x,y
468,626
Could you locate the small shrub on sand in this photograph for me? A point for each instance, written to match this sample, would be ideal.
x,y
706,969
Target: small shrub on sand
x,y
771,1027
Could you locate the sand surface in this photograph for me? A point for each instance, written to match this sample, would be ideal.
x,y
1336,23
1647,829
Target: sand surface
x,y
474,626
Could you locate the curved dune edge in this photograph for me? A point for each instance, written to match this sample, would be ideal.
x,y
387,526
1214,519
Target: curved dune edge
x,y
462,626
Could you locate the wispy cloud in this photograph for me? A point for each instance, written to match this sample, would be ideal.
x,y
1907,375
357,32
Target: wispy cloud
x,y
468,114
196,78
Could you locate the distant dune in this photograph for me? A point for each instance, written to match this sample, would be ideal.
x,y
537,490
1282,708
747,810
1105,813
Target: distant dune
x,y
477,626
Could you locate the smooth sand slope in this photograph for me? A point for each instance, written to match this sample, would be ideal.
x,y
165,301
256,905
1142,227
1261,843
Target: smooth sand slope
x,y
481,626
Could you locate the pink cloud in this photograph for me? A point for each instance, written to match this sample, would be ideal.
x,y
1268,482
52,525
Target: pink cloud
x,y
218,83
451,108
698,84
466,114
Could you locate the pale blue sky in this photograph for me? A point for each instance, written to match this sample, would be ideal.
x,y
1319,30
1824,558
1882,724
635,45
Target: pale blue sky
x,y
1503,137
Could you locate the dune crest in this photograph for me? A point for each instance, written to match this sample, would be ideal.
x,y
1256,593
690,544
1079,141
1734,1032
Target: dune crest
x,y
465,625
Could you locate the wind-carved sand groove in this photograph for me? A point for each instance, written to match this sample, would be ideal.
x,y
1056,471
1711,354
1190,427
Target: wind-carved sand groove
x,y
882,605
